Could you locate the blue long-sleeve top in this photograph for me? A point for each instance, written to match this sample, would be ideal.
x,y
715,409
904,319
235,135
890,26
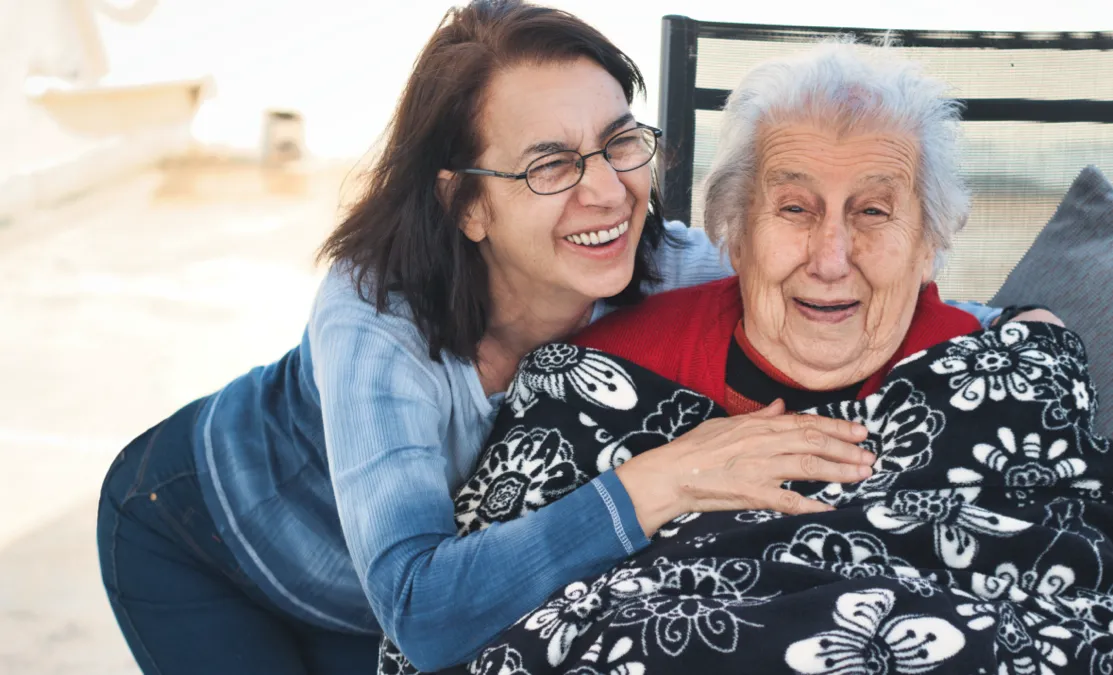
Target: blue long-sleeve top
x,y
330,475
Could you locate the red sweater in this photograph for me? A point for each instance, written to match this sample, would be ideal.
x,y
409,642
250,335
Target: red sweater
x,y
684,335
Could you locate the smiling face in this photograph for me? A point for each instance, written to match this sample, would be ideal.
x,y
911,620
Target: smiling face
x,y
833,254
576,245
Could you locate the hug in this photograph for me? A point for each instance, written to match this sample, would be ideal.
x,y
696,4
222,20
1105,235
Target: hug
x,y
532,427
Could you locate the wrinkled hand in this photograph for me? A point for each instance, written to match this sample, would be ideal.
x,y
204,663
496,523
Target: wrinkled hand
x,y
740,462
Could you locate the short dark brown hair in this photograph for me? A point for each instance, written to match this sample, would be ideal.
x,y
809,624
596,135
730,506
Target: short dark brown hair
x,y
399,238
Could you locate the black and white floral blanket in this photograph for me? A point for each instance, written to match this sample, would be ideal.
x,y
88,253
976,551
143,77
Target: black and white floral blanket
x,y
980,545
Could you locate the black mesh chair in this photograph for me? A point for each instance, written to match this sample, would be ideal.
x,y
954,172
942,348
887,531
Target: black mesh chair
x,y
1039,107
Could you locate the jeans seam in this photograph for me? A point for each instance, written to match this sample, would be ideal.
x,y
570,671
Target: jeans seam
x,y
184,534
123,611
142,470
133,493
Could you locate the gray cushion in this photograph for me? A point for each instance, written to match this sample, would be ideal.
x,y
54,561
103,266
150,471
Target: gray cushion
x,y
1070,269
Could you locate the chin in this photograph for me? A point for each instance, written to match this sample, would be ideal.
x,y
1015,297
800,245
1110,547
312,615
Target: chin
x,y
602,291
606,284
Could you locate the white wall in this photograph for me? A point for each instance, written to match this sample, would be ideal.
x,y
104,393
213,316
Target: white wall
x,y
343,62
63,142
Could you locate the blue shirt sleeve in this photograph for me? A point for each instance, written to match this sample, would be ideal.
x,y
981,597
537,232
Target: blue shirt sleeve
x,y
438,596
985,314
689,260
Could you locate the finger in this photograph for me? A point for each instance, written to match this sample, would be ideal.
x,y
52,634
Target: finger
x,y
842,429
805,442
815,468
813,442
775,408
789,502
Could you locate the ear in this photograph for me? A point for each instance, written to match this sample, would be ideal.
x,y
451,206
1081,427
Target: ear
x,y
474,224
734,244
446,187
929,268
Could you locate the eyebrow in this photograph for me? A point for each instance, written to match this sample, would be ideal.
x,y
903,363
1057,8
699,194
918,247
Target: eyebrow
x,y
781,177
545,147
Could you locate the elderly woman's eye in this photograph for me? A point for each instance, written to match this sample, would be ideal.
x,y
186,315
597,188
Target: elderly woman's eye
x,y
871,211
793,208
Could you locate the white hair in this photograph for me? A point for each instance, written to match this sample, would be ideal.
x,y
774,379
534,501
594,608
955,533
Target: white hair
x,y
849,88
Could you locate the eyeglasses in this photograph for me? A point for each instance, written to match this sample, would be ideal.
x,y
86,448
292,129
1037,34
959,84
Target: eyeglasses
x,y
563,170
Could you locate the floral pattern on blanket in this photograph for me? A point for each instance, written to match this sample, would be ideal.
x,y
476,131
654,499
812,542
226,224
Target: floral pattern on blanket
x,y
979,545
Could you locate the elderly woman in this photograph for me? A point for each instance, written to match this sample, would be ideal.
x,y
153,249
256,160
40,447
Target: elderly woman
x,y
976,545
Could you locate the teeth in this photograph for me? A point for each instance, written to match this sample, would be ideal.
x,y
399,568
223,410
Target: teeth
x,y
600,236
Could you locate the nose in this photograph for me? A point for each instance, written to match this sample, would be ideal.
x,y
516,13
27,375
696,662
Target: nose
x,y
829,249
601,185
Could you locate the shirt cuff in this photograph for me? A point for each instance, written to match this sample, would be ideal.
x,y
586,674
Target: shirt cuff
x,y
985,314
623,516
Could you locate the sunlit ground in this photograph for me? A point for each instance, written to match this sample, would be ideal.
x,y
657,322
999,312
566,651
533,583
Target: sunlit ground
x,y
119,307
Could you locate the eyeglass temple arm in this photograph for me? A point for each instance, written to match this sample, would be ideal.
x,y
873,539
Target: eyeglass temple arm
x,y
497,174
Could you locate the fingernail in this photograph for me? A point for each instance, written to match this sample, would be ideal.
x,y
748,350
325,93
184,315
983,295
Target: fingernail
x,y
865,471
861,430
868,457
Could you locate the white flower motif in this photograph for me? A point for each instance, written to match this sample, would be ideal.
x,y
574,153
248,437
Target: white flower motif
x,y
392,661
1025,640
1081,395
924,587
953,516
675,524
902,428
500,660
699,541
865,642
695,600
554,368
523,472
615,665
1053,582
995,364
1025,467
757,516
563,619
674,416
851,554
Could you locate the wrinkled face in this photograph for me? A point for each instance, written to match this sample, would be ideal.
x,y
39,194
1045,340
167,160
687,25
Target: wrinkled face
x,y
833,255
526,238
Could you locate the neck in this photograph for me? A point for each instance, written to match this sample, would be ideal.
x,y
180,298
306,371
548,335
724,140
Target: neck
x,y
768,353
518,325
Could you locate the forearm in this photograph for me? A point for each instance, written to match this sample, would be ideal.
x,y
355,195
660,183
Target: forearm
x,y
442,601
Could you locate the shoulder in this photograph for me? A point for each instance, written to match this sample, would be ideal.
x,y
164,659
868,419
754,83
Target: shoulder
x,y
652,329
931,310
686,257
346,330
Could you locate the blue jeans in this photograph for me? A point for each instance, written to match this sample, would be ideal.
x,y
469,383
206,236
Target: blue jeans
x,y
182,601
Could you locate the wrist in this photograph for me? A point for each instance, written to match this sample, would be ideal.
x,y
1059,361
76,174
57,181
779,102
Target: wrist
x,y
655,497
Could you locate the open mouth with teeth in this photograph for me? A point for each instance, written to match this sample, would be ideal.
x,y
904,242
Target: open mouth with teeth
x,y
598,237
828,308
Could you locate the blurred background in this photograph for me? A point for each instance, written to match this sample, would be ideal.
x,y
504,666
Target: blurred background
x,y
167,170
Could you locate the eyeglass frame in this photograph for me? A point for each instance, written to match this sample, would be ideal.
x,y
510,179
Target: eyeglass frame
x,y
657,133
